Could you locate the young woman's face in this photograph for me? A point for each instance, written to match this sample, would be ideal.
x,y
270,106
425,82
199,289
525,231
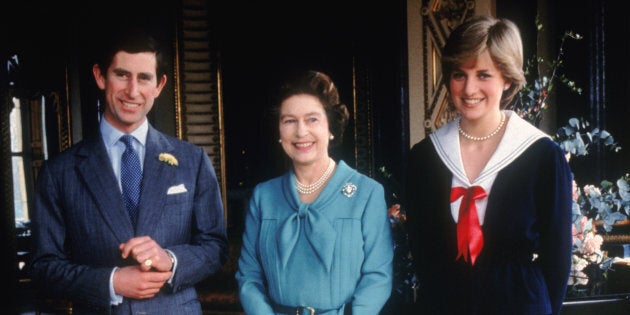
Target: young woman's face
x,y
476,87
304,129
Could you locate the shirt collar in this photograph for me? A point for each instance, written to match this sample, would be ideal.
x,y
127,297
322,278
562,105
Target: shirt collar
x,y
519,135
111,135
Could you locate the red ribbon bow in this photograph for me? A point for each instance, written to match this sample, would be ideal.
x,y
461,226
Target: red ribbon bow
x,y
469,234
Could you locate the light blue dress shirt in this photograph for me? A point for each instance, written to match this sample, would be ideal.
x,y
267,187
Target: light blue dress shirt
x,y
115,148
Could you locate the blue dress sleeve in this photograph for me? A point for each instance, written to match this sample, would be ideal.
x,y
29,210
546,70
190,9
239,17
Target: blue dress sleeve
x,y
250,275
375,285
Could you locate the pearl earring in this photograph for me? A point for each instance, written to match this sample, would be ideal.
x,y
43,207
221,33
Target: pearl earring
x,y
279,140
331,137
506,87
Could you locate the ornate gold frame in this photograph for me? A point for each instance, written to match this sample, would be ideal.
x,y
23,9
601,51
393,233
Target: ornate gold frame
x,y
439,18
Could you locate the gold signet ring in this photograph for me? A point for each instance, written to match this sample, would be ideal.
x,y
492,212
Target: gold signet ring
x,y
148,262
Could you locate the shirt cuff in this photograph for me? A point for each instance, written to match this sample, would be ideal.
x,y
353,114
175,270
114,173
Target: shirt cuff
x,y
174,260
114,299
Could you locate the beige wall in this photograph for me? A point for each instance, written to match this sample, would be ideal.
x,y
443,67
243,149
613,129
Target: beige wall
x,y
416,64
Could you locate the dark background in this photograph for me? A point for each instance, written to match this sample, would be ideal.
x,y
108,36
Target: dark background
x,y
259,42
598,64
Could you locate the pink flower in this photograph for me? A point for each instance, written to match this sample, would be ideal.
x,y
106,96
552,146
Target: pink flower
x,y
592,191
592,244
395,215
577,274
394,210
576,235
579,234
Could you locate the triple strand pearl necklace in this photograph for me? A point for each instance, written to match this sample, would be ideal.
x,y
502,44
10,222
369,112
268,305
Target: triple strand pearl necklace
x,y
486,137
309,189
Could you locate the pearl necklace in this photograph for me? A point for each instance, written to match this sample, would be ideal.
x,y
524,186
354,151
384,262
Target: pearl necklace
x,y
486,137
309,189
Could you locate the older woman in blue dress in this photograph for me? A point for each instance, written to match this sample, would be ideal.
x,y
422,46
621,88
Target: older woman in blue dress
x,y
317,239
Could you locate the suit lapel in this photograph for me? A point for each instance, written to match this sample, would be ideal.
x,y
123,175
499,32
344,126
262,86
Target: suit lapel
x,y
95,168
154,185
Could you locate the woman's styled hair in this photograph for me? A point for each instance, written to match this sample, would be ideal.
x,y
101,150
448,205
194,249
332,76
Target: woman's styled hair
x,y
500,37
320,85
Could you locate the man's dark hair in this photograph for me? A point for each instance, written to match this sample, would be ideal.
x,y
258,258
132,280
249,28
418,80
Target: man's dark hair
x,y
131,40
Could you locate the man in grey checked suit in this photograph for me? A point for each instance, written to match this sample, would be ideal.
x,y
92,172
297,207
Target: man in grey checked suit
x,y
86,248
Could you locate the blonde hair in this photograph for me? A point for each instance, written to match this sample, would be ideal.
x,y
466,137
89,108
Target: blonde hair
x,y
500,37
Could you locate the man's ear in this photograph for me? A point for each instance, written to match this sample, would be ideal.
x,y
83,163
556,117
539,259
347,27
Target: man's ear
x,y
160,86
98,76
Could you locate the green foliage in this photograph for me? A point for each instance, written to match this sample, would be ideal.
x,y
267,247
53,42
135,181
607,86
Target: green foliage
x,y
576,137
592,206
531,100
405,281
609,203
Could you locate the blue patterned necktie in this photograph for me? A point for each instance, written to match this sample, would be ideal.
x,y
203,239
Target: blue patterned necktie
x,y
130,178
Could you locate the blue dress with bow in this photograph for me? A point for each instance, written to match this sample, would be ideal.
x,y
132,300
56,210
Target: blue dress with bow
x,y
325,254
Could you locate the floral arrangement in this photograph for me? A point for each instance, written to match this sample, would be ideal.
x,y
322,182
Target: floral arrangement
x,y
532,98
405,282
576,138
608,204
168,159
595,209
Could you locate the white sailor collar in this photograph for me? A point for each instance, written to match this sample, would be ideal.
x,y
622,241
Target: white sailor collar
x,y
519,135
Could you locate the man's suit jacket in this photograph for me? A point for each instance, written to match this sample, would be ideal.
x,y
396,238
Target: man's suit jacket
x,y
79,220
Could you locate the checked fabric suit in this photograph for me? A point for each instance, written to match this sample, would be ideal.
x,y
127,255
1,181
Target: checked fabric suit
x,y
79,220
